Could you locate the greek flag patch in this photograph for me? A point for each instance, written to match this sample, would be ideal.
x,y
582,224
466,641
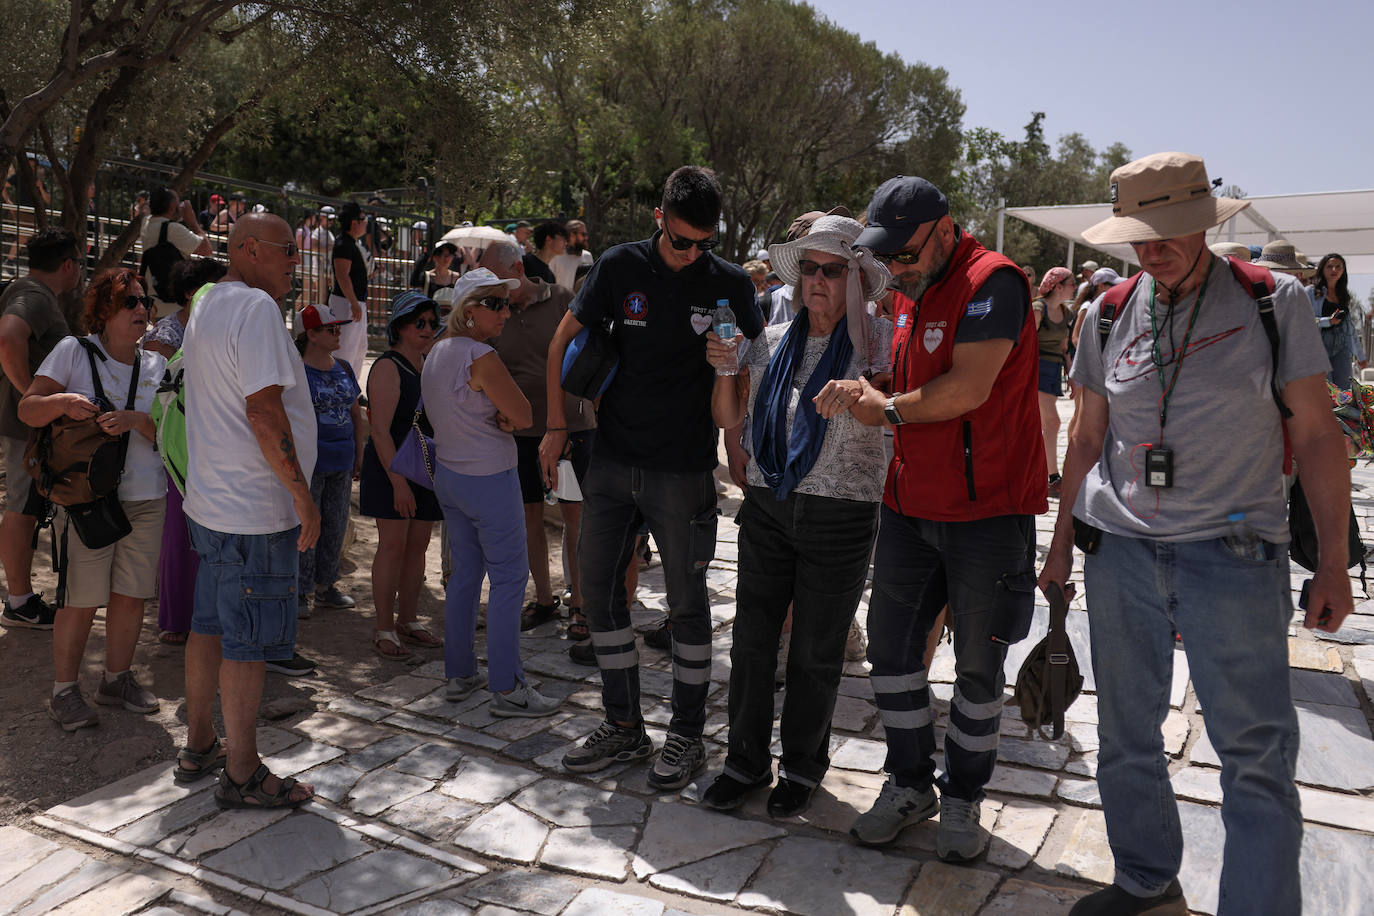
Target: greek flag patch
x,y
901,320
979,309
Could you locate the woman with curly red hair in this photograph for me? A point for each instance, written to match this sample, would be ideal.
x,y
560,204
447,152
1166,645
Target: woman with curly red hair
x,y
123,575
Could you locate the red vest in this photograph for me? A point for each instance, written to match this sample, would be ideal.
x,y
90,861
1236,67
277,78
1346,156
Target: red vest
x,y
990,461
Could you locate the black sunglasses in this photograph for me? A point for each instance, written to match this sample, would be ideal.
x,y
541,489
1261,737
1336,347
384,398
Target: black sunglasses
x,y
907,257
495,303
683,244
133,302
427,324
833,271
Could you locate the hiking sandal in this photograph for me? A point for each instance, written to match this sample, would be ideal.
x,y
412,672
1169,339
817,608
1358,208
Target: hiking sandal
x,y
193,766
577,625
388,646
535,613
251,794
417,634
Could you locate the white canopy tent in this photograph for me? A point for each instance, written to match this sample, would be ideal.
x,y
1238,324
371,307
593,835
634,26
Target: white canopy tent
x,y
1340,221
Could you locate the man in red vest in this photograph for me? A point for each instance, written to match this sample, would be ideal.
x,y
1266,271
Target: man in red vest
x,y
1174,473
967,476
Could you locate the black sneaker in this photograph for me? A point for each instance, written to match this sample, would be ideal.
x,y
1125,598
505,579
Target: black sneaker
x,y
680,760
333,598
295,666
1114,901
34,614
607,745
661,637
727,793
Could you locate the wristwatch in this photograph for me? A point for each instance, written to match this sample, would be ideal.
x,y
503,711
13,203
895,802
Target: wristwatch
x,y
890,411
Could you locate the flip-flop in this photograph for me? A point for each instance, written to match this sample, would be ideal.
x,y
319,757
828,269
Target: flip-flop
x,y
417,634
388,637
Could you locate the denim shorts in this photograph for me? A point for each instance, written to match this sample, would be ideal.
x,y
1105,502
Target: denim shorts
x,y
246,592
1051,377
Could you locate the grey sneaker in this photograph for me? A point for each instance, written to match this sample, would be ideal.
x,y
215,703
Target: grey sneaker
x,y
523,702
680,760
895,809
960,838
460,688
69,710
126,691
34,614
607,745
332,597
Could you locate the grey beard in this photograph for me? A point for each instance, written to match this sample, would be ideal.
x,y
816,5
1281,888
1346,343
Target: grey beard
x,y
914,289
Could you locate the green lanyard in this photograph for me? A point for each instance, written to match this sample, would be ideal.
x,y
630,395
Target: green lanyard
x,y
1167,390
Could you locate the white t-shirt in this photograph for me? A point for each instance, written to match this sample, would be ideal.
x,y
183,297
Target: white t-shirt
x,y
236,345
70,367
564,267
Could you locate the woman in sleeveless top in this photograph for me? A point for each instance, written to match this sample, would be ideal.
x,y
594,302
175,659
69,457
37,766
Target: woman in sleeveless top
x,y
1052,321
405,512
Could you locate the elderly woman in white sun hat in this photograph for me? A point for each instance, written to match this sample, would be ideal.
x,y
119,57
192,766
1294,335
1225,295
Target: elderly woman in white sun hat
x,y
810,512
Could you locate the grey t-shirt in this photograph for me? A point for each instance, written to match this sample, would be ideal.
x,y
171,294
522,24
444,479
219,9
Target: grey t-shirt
x,y
1223,425
30,300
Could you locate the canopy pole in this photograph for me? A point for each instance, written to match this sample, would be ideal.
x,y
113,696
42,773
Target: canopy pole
x,y
1001,220
1068,260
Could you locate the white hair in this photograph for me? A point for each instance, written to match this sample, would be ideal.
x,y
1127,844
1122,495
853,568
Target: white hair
x,y
504,254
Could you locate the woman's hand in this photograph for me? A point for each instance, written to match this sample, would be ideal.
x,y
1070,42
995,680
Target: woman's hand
x,y
402,499
721,354
357,310
837,396
77,406
504,423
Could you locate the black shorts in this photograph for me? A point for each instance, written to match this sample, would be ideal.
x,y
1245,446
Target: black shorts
x,y
527,462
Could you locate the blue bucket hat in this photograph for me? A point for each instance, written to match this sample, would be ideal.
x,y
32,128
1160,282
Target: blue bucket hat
x,y
405,304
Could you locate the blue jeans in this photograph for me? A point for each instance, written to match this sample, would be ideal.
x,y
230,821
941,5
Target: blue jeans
x,y
486,533
919,567
246,592
1230,602
320,564
810,553
680,508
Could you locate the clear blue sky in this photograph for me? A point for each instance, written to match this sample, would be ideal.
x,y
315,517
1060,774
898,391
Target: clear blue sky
x,y
1251,87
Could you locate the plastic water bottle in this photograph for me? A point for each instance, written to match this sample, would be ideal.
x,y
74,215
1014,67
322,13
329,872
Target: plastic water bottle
x,y
725,330
1243,539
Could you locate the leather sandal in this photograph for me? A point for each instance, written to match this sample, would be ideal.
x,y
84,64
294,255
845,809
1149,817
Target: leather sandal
x,y
251,794
535,613
577,625
417,634
382,639
193,766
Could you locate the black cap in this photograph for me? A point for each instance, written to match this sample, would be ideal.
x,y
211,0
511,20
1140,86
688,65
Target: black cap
x,y
900,205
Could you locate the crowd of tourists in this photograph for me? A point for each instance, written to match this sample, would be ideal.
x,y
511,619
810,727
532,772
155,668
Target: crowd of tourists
x,y
888,392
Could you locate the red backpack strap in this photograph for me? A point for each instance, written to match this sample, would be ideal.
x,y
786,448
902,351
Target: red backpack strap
x,y
1259,284
1113,301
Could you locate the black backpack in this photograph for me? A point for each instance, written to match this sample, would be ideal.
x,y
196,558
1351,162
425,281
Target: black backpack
x,y
159,261
1302,534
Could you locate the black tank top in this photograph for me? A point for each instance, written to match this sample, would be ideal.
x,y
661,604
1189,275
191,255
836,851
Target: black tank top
x,y
409,397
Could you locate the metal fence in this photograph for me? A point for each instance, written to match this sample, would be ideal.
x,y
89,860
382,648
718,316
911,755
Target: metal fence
x,y
113,205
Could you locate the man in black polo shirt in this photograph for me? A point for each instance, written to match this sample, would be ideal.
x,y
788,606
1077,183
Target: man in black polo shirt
x,y
653,461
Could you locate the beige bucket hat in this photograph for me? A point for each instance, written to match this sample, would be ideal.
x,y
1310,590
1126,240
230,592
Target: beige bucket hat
x,y
1163,196
1281,254
1230,250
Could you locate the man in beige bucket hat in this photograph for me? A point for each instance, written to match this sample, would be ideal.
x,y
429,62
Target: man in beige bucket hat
x,y
1175,468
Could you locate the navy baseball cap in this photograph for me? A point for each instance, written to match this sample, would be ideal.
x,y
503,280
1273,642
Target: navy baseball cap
x,y
900,205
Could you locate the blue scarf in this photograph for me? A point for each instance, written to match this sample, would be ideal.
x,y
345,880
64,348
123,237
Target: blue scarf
x,y
785,461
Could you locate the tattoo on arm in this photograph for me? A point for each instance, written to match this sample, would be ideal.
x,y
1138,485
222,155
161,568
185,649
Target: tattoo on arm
x,y
288,459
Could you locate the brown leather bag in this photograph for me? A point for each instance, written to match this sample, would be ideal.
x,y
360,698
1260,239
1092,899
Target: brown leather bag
x,y
75,461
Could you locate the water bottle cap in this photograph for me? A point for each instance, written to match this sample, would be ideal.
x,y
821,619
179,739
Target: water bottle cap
x,y
1236,517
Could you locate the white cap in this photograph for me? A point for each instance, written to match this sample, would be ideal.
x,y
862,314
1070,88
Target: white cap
x,y
420,226
761,255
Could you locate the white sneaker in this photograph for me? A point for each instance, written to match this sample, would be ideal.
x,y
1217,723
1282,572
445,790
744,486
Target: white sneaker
x,y
523,702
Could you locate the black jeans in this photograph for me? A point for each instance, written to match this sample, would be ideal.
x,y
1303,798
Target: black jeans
x,y
920,566
810,552
680,509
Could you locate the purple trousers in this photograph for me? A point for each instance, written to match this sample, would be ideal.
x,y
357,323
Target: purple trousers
x,y
176,570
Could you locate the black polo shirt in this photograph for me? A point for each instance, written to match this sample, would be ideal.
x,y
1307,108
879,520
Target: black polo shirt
x,y
657,412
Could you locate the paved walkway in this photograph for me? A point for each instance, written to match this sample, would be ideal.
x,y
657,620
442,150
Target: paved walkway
x,y
431,807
